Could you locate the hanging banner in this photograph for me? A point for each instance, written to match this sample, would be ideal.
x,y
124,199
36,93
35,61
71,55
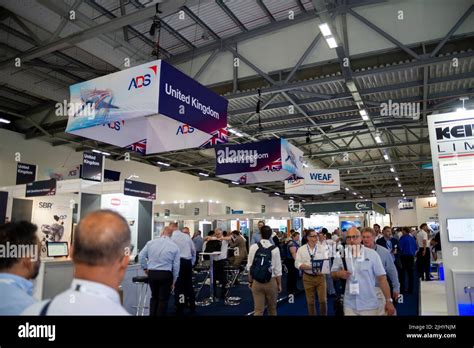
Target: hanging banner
x,y
92,166
150,108
25,173
314,182
139,189
269,160
41,188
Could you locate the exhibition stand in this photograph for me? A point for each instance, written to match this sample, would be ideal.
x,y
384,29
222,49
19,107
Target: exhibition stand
x,y
57,206
452,151
343,215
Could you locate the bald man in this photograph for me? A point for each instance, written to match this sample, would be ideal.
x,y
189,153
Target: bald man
x,y
100,254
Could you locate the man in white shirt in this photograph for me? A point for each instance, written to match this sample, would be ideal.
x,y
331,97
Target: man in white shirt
x,y
423,254
364,271
184,291
100,254
265,281
313,260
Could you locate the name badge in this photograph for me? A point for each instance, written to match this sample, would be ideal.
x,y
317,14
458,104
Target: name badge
x,y
316,266
354,287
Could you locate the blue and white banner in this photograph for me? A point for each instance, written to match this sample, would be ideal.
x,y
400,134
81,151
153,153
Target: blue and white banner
x,y
150,108
314,182
269,160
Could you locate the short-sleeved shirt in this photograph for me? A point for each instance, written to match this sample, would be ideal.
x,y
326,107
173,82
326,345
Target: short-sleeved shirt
x,y
365,269
420,237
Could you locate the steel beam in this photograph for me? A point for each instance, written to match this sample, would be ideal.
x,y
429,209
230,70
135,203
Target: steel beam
x,y
452,31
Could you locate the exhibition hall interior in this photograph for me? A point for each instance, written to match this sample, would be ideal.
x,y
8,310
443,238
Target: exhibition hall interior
x,y
231,158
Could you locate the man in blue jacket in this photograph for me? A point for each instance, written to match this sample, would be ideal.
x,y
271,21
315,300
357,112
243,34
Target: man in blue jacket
x,y
408,248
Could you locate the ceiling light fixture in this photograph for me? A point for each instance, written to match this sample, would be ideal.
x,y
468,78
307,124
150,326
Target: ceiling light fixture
x,y
392,170
203,174
163,164
4,120
378,139
325,30
258,189
396,178
386,157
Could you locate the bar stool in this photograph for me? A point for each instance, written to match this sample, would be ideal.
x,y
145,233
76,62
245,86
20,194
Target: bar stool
x,y
234,272
142,282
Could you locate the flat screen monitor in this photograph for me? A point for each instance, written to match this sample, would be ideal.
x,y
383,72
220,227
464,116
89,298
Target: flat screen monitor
x,y
57,249
460,230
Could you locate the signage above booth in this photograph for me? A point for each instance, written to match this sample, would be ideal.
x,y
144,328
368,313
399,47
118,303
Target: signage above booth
x,y
139,189
92,166
25,173
314,182
269,160
41,188
150,108
343,207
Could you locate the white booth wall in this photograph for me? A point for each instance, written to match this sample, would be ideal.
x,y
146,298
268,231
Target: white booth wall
x,y
424,209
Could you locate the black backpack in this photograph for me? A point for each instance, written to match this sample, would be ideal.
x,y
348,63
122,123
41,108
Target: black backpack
x,y
261,269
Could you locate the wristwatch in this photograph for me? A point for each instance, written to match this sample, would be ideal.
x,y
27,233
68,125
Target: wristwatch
x,y
389,299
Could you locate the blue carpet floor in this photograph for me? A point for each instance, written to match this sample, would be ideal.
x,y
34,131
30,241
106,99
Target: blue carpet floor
x,y
286,307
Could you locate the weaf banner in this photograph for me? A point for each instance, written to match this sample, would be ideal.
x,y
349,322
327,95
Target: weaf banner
x,y
269,160
150,108
314,182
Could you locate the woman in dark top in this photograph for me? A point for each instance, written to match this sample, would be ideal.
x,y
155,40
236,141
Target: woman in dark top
x,y
291,249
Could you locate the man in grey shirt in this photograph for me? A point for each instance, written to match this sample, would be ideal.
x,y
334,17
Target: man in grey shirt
x,y
368,239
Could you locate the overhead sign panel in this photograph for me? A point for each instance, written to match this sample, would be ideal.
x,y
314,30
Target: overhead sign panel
x,y
269,160
314,182
25,173
41,188
147,109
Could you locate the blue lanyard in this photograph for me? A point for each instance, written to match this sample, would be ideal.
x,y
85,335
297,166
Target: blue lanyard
x,y
315,251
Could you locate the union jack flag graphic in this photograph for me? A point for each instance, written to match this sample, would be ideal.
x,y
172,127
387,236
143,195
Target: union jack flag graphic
x,y
243,179
218,136
274,166
139,147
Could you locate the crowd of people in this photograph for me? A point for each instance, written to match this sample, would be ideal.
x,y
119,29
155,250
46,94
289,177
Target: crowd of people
x,y
364,269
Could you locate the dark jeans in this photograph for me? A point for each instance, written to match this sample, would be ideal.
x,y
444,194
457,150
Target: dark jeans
x,y
292,277
160,284
407,271
184,291
219,275
423,263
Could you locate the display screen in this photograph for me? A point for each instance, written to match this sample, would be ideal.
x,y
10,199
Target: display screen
x,y
346,225
56,249
460,230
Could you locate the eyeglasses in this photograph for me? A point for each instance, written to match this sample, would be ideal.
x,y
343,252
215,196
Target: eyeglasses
x,y
352,237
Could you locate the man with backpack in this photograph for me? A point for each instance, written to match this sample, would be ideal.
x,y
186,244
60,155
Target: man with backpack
x,y
264,265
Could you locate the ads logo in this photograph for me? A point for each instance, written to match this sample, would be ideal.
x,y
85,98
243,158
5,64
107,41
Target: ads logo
x,y
116,125
45,205
360,206
142,80
185,129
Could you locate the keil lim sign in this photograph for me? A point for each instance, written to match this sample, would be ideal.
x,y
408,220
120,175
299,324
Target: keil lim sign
x,y
314,181
269,160
452,144
150,108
